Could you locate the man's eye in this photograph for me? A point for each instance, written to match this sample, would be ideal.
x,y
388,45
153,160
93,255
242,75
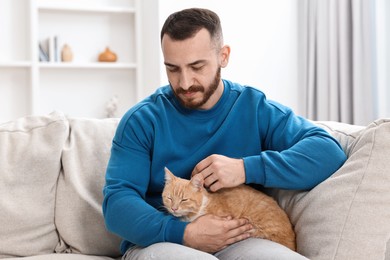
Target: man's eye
x,y
172,69
197,68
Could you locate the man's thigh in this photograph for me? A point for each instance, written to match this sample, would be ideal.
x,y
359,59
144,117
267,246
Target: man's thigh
x,y
166,251
256,248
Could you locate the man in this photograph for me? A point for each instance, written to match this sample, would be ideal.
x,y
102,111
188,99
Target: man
x,y
202,124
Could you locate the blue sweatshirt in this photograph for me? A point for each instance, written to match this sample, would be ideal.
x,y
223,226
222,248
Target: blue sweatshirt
x,y
279,149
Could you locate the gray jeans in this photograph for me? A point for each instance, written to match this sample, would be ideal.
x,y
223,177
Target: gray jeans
x,y
252,248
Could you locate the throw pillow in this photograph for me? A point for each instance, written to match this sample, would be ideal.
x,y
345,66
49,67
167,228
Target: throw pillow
x,y
347,216
30,162
79,217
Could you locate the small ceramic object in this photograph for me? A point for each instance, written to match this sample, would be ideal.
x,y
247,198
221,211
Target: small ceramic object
x,y
112,107
66,54
107,56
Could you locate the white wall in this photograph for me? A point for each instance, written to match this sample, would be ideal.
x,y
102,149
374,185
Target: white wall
x,y
262,35
150,46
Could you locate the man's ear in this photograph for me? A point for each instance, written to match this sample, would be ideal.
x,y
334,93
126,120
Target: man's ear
x,y
224,54
197,181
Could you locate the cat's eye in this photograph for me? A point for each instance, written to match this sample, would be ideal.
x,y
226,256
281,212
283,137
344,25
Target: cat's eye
x,y
184,200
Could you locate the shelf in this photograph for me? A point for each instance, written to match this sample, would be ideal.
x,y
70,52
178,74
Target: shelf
x,y
75,8
91,65
15,64
30,86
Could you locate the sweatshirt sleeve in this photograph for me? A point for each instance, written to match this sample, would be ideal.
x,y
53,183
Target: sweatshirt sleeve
x,y
126,211
295,155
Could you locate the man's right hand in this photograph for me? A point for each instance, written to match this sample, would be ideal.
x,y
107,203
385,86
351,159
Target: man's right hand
x,y
211,234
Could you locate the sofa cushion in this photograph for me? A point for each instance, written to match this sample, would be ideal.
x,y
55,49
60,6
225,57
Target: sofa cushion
x,y
64,257
78,213
30,159
347,216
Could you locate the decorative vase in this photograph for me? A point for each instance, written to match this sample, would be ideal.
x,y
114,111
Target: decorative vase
x,y
107,56
112,107
66,54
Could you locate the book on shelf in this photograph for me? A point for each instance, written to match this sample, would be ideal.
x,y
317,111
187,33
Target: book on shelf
x,y
43,55
49,49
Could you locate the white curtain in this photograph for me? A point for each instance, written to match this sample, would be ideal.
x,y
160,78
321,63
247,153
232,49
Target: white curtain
x,y
337,60
382,15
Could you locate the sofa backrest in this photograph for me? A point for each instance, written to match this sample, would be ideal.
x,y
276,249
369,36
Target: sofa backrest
x,y
344,133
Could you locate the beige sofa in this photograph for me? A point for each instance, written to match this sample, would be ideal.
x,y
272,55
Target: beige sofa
x,y
52,173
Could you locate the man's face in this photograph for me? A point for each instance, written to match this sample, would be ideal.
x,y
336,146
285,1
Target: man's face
x,y
194,70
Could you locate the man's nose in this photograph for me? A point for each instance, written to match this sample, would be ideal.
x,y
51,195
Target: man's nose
x,y
185,80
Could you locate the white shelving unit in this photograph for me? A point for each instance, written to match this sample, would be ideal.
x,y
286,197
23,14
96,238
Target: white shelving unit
x,y
84,86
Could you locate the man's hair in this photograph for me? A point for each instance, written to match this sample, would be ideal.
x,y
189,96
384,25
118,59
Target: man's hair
x,y
186,23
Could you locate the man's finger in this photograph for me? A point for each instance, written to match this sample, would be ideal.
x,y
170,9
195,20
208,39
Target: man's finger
x,y
201,166
215,186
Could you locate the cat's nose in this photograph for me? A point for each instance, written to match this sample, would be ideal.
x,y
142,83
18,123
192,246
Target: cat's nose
x,y
173,209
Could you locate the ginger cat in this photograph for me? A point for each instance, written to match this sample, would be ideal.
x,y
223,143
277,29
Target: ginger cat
x,y
188,200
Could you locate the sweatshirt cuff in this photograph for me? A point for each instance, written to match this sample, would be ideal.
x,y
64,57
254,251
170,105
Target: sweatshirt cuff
x,y
175,231
254,170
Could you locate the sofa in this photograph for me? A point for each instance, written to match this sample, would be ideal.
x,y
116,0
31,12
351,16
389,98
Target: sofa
x,y
52,173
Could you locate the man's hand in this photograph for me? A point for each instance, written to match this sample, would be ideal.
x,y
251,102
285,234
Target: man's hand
x,y
219,172
211,234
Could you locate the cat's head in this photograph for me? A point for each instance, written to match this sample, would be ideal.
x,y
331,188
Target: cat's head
x,y
183,198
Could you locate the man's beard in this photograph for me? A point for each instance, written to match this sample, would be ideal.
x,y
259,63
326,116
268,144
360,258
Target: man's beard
x,y
197,88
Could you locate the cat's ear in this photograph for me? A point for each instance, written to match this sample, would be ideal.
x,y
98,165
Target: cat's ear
x,y
197,181
168,175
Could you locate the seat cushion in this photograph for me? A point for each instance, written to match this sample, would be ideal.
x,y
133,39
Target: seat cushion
x,y
64,257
